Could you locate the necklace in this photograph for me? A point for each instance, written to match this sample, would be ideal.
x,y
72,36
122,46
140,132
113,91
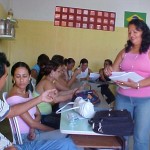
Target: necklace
x,y
131,66
135,58
22,93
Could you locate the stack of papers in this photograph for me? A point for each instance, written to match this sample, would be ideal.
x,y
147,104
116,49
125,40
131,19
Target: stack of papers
x,y
94,76
124,76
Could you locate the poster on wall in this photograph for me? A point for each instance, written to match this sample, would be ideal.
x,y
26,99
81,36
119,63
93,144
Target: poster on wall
x,y
84,18
128,16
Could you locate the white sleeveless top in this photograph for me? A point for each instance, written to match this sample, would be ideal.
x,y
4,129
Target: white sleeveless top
x,y
83,74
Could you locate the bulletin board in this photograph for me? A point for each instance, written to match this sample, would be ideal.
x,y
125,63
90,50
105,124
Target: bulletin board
x,y
84,18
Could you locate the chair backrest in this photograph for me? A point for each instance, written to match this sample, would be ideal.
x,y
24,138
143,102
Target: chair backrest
x,y
14,126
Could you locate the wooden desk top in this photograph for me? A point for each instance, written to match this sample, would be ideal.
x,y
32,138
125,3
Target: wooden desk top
x,y
83,136
92,141
81,126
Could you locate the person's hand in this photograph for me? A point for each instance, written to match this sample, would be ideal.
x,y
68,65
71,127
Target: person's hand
x,y
31,136
108,71
10,148
49,95
77,71
129,83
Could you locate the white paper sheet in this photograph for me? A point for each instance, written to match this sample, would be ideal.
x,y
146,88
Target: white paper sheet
x,y
124,76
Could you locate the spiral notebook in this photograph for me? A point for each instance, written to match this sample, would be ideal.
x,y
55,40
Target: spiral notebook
x,y
124,76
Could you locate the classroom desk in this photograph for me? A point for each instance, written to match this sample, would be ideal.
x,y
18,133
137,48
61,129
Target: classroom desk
x,y
83,136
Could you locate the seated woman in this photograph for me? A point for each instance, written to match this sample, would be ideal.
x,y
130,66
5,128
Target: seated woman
x,y
29,122
52,72
35,71
81,73
63,78
69,65
105,87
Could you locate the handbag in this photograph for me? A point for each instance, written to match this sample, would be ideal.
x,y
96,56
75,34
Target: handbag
x,y
112,122
91,95
84,108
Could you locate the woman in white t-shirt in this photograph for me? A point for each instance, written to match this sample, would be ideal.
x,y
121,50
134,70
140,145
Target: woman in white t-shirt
x,y
81,73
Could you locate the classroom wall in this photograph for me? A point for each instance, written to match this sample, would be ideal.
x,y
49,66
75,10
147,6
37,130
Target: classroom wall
x,y
35,37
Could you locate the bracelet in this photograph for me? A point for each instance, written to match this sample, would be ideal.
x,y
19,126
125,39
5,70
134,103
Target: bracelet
x,y
138,85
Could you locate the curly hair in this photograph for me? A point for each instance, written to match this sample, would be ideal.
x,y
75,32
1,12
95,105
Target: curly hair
x,y
140,26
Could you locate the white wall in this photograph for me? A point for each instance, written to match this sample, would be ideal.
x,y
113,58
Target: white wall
x,y
44,9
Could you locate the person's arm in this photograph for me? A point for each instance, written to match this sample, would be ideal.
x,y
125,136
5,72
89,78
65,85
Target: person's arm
x,y
73,78
118,60
116,65
34,74
47,96
37,115
90,71
60,86
101,72
10,148
33,124
68,92
62,98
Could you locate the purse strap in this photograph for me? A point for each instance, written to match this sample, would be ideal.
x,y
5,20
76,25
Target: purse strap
x,y
61,109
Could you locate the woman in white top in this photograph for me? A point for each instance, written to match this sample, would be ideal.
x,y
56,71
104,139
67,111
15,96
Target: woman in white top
x,y
81,73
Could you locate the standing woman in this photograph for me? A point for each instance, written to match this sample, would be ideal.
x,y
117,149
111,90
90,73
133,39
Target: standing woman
x,y
135,57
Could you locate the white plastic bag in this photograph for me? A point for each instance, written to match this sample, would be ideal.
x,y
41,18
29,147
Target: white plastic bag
x,y
84,108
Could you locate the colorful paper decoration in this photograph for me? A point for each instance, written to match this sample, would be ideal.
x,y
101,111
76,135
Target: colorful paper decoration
x,y
84,18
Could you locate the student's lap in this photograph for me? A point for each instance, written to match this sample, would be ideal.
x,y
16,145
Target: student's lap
x,y
41,135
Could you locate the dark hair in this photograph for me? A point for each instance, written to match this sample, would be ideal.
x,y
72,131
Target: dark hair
x,y
22,64
109,61
50,66
46,70
58,59
42,60
140,25
69,61
3,62
83,61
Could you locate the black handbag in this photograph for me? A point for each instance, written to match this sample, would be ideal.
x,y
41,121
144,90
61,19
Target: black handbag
x,y
91,95
113,122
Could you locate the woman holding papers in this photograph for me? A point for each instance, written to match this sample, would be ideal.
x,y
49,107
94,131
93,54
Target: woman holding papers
x,y
135,57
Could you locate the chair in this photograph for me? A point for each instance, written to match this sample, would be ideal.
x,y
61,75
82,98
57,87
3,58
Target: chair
x,y
14,126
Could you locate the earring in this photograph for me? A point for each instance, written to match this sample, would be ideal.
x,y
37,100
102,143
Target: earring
x,y
13,81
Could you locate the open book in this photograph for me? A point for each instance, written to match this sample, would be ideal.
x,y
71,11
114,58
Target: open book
x,y
124,76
